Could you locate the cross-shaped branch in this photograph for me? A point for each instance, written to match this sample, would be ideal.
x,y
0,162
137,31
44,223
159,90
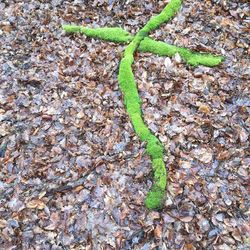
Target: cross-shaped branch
x,y
141,42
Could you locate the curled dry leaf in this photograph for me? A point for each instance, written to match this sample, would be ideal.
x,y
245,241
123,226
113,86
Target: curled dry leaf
x,y
204,109
3,223
35,204
186,219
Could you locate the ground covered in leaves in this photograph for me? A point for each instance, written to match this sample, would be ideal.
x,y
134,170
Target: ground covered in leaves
x,y
73,175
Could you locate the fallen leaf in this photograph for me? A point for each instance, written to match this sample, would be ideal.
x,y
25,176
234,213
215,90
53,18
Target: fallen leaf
x,y
168,64
35,204
186,219
158,231
54,218
204,109
189,246
42,194
79,188
80,115
3,223
203,154
223,155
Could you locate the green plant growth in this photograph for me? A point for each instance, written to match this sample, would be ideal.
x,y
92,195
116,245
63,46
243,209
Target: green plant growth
x,y
108,34
141,41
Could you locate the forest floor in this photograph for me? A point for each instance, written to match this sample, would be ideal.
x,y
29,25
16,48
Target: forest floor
x,y
73,174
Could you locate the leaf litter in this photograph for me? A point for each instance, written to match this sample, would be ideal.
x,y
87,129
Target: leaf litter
x,y
69,155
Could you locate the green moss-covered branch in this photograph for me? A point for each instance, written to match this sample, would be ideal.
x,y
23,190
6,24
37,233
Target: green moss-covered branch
x,y
128,86
191,58
155,197
119,35
107,34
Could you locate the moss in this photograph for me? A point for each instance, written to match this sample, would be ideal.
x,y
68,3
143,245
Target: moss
x,y
127,83
107,34
192,58
128,86
154,148
159,48
167,13
205,59
156,196
147,45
